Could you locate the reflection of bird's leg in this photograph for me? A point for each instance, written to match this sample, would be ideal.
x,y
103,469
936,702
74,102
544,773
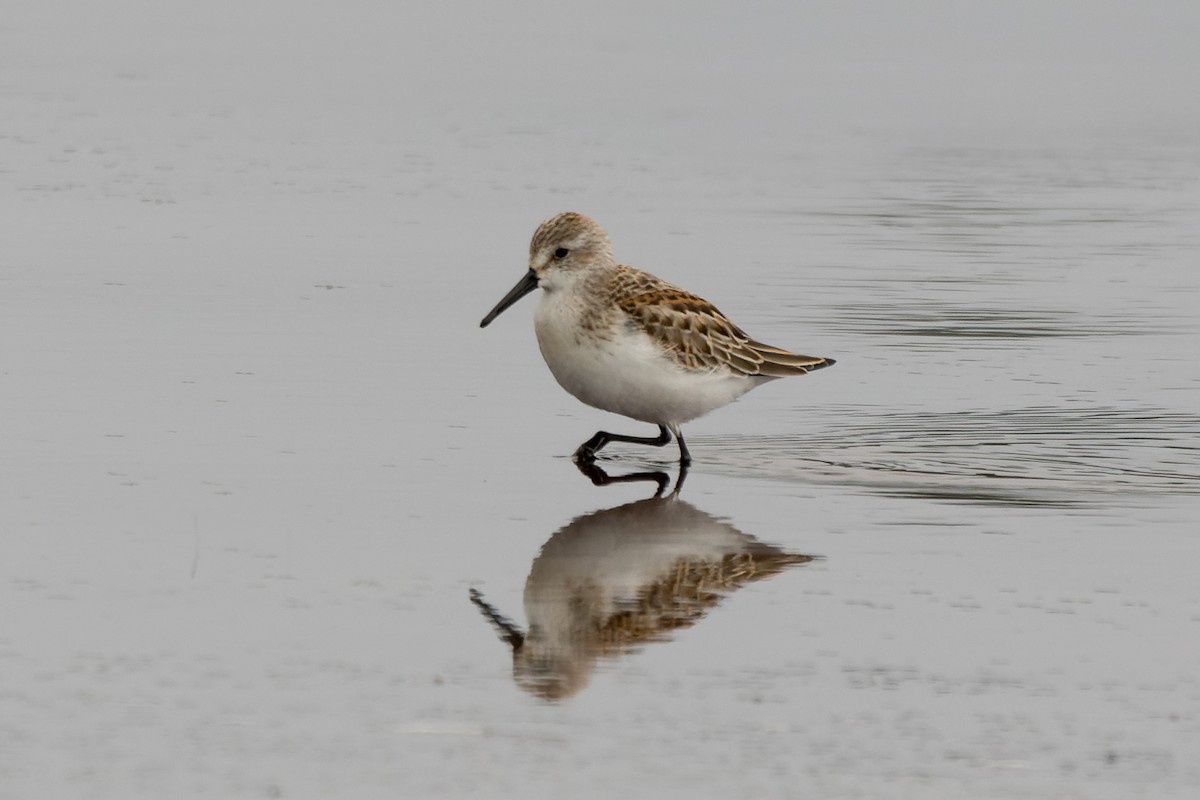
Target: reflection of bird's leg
x,y
508,630
598,476
682,474
587,451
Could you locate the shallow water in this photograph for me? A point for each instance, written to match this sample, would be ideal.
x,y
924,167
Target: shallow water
x,y
280,520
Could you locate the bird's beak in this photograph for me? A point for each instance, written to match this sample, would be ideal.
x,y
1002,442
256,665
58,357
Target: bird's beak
x,y
527,284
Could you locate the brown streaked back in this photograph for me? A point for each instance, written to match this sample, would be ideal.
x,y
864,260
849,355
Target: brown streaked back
x,y
696,334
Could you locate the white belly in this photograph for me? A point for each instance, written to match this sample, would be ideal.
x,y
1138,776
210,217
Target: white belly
x,y
622,370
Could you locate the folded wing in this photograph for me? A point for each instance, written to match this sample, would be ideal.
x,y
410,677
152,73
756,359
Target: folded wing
x,y
700,337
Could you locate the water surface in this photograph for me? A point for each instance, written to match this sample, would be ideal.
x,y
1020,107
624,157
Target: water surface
x,y
263,472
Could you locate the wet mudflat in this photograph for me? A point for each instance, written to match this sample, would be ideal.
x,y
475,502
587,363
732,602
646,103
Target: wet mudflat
x,y
281,521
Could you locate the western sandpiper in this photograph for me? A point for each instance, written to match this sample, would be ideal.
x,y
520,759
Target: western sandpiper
x,y
625,341
614,581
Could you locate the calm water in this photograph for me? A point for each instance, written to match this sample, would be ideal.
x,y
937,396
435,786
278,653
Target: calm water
x,y
281,521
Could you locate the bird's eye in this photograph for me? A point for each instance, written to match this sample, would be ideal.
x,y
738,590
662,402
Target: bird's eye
x,y
561,252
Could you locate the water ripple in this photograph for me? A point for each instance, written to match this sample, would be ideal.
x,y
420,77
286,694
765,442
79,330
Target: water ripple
x,y
1028,456
944,320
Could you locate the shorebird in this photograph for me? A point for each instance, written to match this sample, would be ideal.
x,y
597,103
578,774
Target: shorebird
x,y
625,341
619,579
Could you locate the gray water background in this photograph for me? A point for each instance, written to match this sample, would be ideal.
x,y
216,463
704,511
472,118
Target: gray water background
x,y
257,451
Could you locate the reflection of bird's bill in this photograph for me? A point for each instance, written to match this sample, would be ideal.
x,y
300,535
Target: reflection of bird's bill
x,y
509,631
616,579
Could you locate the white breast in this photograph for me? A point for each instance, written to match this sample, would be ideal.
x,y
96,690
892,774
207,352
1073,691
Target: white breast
x,y
619,368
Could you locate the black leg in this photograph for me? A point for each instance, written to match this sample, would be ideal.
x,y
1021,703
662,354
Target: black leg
x,y
685,458
683,468
599,477
588,449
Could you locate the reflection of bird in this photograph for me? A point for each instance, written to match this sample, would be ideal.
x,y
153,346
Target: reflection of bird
x,y
619,578
625,341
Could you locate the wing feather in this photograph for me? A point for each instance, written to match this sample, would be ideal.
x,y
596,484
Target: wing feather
x,y
697,335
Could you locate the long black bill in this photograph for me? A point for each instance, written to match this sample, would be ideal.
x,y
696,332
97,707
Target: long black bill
x,y
524,286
